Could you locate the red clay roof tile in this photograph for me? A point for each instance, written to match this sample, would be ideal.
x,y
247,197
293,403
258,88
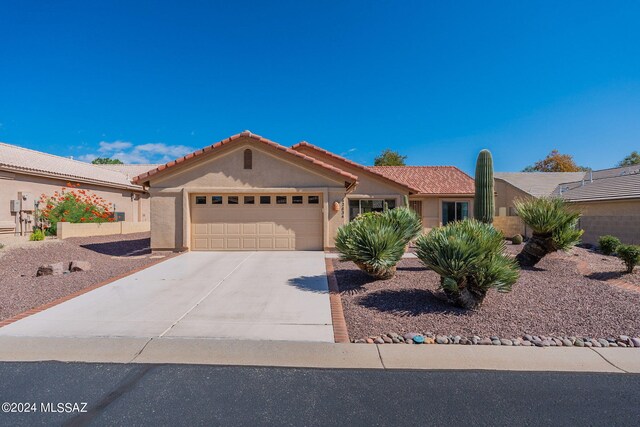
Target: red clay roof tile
x,y
430,179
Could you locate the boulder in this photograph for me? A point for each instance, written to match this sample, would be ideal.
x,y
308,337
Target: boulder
x,y
79,266
55,269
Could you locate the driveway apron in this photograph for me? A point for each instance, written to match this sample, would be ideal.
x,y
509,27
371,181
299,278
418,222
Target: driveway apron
x,y
230,295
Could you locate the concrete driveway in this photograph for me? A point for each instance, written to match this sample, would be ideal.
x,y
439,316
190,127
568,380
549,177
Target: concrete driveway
x,y
232,295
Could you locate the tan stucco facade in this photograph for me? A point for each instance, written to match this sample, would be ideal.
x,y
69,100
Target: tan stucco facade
x,y
506,194
222,173
432,208
134,204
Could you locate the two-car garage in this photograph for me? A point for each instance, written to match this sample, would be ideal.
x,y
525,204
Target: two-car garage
x,y
250,222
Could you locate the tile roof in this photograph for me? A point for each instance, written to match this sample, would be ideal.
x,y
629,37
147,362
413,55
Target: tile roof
x,y
130,170
189,157
429,179
538,184
611,188
24,160
352,164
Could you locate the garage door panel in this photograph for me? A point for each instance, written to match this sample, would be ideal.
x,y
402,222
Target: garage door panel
x,y
233,228
256,227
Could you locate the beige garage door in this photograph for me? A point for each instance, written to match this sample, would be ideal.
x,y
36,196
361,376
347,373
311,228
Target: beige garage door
x,y
250,222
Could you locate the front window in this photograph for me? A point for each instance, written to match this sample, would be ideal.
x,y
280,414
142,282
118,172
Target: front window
x,y
454,211
360,206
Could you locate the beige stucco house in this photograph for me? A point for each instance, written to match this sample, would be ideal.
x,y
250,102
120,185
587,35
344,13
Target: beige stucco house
x,y
249,193
27,174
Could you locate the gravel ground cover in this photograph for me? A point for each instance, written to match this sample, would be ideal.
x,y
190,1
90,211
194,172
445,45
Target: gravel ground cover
x,y
608,267
552,299
109,256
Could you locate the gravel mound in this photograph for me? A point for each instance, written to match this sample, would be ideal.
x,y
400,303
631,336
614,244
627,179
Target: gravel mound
x,y
551,299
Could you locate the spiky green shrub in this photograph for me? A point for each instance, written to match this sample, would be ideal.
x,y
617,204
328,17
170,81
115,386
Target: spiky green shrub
x,y
608,244
517,239
483,204
630,255
406,221
37,235
554,226
375,242
470,259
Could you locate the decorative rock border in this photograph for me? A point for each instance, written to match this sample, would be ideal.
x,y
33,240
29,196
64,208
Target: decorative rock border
x,y
524,341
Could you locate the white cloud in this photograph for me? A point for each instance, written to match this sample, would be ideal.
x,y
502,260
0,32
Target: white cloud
x,y
128,152
87,157
110,147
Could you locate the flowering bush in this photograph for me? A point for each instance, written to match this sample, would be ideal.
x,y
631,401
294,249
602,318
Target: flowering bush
x,y
72,205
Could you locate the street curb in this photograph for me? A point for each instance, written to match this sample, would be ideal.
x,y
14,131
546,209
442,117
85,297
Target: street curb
x,y
340,332
318,355
66,298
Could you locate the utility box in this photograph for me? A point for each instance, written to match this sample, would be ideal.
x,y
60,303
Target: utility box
x,y
27,201
15,206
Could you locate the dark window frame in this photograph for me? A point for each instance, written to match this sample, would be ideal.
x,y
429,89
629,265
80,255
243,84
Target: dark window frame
x,y
235,202
297,200
279,198
265,200
216,200
245,200
316,200
198,199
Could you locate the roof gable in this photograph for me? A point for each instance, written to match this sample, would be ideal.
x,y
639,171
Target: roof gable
x,y
303,145
538,184
217,147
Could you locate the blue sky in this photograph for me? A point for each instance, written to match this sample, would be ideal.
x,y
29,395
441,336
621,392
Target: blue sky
x,y
437,81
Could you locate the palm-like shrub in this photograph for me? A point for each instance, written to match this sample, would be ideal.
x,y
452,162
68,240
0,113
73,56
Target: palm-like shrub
x,y
554,228
375,242
469,257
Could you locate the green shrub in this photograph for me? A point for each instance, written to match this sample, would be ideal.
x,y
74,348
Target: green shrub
x,y
608,244
469,257
630,255
1,245
517,239
37,235
554,226
375,242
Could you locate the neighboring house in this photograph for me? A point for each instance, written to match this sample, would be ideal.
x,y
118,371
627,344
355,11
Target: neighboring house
x,y
511,186
609,201
30,174
249,193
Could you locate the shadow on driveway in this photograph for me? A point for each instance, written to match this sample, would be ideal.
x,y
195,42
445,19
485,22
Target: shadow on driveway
x,y
317,284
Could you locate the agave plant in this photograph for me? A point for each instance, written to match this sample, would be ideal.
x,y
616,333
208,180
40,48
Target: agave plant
x,y
554,227
375,242
469,257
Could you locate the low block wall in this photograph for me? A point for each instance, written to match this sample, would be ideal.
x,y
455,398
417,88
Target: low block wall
x,y
66,230
625,228
509,225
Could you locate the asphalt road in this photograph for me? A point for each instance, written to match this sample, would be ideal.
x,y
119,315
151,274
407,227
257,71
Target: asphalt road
x,y
131,395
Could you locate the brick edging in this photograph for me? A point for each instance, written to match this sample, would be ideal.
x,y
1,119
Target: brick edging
x,y
82,291
340,332
584,269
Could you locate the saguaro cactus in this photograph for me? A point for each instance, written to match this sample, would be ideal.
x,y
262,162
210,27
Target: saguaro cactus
x,y
483,206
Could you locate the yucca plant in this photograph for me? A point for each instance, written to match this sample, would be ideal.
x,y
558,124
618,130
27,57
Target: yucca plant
x,y
469,257
375,242
553,224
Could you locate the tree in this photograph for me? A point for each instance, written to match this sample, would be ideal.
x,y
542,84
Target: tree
x,y
389,158
106,161
555,162
630,160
